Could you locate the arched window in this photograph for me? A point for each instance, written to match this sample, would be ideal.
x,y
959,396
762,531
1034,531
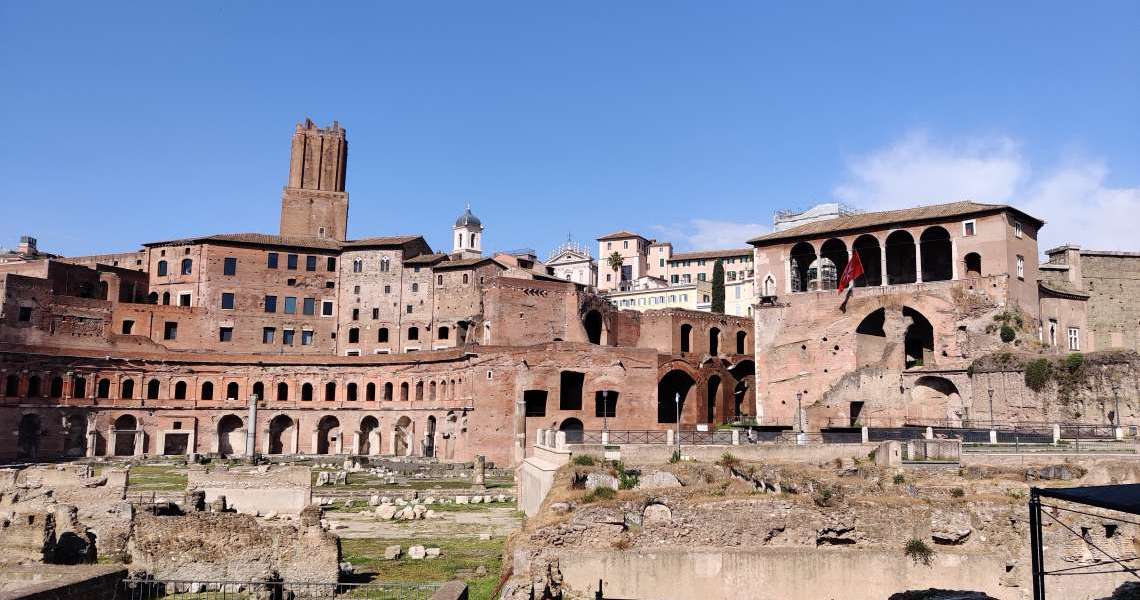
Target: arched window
x,y
415,287
465,278
162,268
79,389
370,392
357,265
350,392
259,390
232,391
769,286
207,391
330,391
443,333
33,387
166,298
103,388
385,264
822,275
802,257
282,391
187,266
714,341
937,254
419,391
404,392
686,337
413,334
306,392
900,258
431,391
56,390
152,297
870,256
180,390
593,324
388,391
973,264
741,342
127,389
152,389
834,251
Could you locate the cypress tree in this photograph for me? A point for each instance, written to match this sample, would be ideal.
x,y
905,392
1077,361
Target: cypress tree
x,y
718,288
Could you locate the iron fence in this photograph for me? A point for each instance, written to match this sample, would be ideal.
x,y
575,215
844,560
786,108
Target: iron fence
x,y
187,589
706,438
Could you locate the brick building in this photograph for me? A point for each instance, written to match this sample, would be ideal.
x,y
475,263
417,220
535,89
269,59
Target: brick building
x,y
369,346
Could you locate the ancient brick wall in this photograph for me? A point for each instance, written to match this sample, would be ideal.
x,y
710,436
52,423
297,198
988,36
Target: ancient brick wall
x,y
375,294
1112,279
251,490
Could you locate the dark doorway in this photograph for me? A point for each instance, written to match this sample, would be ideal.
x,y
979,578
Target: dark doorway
x,y
593,324
900,258
919,338
671,393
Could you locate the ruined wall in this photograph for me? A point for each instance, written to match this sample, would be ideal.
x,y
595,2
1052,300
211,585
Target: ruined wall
x,y
255,490
1112,279
233,547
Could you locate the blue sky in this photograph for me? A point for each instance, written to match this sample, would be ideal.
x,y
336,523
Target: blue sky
x,y
127,123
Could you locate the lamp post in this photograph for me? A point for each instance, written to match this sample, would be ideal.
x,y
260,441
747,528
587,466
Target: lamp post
x,y
991,392
677,419
605,410
799,413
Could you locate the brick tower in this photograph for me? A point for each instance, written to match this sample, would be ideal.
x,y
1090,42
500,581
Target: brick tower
x,y
314,203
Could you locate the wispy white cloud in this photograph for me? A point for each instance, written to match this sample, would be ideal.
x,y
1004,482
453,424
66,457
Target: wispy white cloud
x,y
1074,199
710,234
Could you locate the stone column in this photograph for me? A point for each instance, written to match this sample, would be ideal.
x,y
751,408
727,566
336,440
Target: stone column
x,y
929,433
339,443
953,258
917,261
138,441
479,477
251,430
865,435
296,436
735,437
356,442
92,441
883,264
1056,433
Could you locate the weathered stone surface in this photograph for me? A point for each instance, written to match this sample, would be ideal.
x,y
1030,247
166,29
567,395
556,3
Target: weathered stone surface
x,y
417,552
392,552
655,514
949,528
386,511
596,480
658,479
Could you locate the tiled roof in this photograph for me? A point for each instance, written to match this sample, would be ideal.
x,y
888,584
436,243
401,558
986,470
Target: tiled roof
x,y
711,254
265,239
878,219
426,259
1063,290
617,235
468,262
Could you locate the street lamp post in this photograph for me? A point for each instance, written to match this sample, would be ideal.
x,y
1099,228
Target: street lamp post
x,y
799,413
1116,399
991,392
605,410
677,419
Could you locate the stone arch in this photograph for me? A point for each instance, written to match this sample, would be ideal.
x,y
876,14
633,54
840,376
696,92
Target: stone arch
x,y
259,390
233,392
675,384
350,392
28,437
714,341
573,428
231,436
125,434
282,431
127,389
900,251
743,391
870,256
79,388
12,386
973,262
56,387
330,391
801,257
918,341
328,435
769,288
388,391
404,392
402,437
936,398
370,392
207,392
712,399
103,388
871,338
369,436
937,254
180,390
306,391
419,391
282,391
152,389
742,342
686,337
835,252
75,435
431,391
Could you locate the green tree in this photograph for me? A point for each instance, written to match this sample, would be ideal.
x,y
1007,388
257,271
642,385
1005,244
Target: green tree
x,y
718,288
615,262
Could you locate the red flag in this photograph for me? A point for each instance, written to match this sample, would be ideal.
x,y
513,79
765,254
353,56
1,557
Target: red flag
x,y
851,272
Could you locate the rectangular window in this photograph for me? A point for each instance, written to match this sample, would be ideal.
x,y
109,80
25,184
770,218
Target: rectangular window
x,y
227,300
184,299
307,338
1020,267
271,304
229,267
287,337
662,265
310,263
409,309
1074,339
969,228
326,308
375,314
309,306
700,276
387,289
382,337
225,334
290,305
128,325
267,335
535,401
271,261
291,262
1017,232
25,313
675,278
331,266
570,390
605,403
356,314
170,330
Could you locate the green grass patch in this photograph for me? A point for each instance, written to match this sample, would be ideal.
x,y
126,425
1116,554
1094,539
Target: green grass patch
x,y
157,478
459,558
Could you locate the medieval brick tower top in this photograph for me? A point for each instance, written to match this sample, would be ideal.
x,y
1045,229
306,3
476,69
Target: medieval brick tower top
x,y
314,203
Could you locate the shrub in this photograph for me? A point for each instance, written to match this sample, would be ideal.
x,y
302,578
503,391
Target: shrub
x,y
599,493
626,480
728,461
919,552
1037,374
957,492
1074,362
675,457
898,479
826,497
1007,334
584,460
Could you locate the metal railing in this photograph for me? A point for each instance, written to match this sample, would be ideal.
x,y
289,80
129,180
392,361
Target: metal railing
x,y
188,589
647,436
706,438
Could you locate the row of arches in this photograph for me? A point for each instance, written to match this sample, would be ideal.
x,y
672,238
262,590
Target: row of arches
x,y
898,260
35,386
714,340
724,396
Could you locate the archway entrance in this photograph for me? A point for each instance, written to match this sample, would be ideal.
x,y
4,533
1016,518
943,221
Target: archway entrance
x,y
573,428
369,436
743,401
937,254
28,437
281,430
593,324
871,338
125,432
936,398
671,393
328,435
75,436
403,437
918,340
429,438
901,266
230,436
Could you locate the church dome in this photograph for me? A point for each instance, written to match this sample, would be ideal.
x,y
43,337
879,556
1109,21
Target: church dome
x,y
468,218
